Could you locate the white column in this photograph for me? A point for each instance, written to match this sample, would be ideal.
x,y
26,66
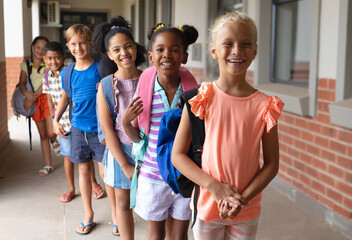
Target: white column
x,y
35,18
18,28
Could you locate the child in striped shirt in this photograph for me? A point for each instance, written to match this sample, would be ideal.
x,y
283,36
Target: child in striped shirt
x,y
155,199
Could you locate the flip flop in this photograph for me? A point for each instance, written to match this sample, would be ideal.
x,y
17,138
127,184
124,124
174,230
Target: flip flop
x,y
96,191
116,234
68,197
91,224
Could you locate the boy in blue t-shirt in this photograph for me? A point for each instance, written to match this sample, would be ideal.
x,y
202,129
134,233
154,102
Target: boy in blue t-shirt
x,y
85,143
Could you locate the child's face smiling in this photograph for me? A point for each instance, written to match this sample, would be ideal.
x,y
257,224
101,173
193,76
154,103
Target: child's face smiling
x,y
235,48
167,53
79,46
37,49
54,60
123,51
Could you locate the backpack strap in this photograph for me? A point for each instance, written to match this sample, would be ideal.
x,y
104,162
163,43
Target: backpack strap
x,y
109,94
46,76
145,91
198,136
107,84
67,79
67,86
29,72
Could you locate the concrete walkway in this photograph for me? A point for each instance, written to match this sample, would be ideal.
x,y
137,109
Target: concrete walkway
x,y
30,207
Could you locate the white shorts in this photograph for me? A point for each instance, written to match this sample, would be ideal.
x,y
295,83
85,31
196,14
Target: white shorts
x,y
155,202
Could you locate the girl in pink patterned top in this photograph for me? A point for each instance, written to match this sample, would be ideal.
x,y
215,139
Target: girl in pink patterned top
x,y
231,179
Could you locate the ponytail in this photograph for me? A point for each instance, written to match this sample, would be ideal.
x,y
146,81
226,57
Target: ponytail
x,y
101,40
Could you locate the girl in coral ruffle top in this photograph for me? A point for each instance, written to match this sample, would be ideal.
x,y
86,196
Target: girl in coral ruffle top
x,y
237,118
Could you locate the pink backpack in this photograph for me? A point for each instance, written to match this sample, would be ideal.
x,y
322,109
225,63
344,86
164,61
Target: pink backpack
x,y
145,91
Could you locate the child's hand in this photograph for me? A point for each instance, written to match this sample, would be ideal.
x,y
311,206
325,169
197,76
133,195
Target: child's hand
x,y
225,191
228,209
132,111
128,170
29,100
58,129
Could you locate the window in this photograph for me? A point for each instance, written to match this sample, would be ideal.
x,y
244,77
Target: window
x,y
291,28
341,110
298,93
225,6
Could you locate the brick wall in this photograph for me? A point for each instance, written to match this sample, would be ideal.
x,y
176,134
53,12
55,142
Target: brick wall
x,y
12,73
316,156
4,134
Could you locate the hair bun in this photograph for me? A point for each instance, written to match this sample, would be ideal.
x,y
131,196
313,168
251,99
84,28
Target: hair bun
x,y
191,34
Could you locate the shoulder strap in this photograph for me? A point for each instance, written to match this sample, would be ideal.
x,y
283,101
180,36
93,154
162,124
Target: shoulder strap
x,y
67,86
109,93
29,67
198,136
145,91
29,72
67,79
197,127
46,76
187,79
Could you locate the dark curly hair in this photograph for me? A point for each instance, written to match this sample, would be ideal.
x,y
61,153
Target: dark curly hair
x,y
187,33
101,40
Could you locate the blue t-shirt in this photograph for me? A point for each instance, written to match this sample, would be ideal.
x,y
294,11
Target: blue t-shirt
x,y
83,94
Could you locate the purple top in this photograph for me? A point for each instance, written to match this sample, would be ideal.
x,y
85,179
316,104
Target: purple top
x,y
124,92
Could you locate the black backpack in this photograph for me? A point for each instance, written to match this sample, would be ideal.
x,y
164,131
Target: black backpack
x,y
167,132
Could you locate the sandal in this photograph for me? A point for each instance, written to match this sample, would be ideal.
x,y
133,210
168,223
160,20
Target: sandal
x,y
45,170
56,147
117,233
90,227
98,193
65,198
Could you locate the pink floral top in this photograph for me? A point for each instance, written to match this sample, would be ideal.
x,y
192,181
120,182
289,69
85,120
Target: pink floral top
x,y
233,129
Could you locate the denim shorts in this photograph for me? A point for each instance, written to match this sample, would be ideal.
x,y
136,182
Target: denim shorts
x,y
114,175
65,145
85,146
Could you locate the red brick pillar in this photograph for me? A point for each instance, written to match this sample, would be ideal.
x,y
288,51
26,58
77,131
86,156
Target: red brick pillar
x,y
12,76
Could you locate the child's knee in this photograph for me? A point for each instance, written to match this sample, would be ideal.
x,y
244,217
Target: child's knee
x,y
43,136
85,169
123,203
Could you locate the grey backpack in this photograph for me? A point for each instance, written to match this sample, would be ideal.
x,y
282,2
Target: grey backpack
x,y
18,97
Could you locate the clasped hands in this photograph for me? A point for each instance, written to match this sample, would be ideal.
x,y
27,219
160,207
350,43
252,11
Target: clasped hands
x,y
230,201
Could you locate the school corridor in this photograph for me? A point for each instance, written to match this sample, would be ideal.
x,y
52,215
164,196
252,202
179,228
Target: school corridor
x,y
30,207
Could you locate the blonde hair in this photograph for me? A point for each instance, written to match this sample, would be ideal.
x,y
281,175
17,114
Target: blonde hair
x,y
232,17
78,29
